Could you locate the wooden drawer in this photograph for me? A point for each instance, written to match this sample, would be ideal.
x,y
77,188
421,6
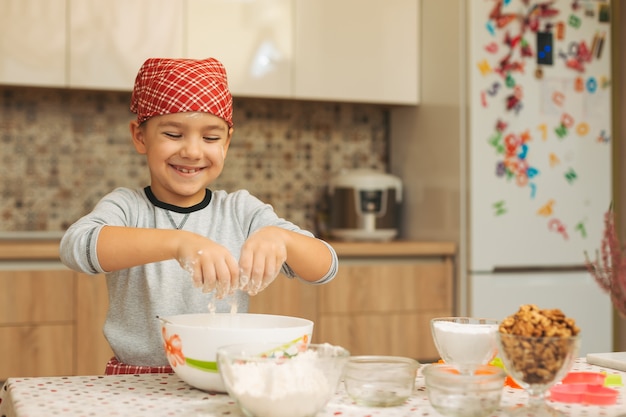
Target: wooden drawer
x,y
289,297
46,350
51,323
393,286
380,303
36,296
401,334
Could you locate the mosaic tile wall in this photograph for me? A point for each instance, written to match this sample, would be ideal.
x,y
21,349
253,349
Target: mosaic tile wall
x,y
62,150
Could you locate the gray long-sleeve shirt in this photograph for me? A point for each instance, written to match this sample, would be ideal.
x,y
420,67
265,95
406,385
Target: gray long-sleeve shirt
x,y
138,295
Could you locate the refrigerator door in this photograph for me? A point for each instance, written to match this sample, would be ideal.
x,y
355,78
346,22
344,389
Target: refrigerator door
x,y
575,293
540,132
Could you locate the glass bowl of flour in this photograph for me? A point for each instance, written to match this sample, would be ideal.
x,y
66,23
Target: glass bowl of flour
x,y
267,381
465,342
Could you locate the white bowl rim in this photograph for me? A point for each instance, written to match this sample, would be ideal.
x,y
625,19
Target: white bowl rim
x,y
295,321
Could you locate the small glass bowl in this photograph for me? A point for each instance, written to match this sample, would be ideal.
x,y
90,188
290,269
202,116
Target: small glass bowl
x,y
380,381
454,394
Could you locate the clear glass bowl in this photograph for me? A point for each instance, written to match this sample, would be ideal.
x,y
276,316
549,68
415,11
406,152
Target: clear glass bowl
x,y
454,394
380,381
465,342
267,382
536,364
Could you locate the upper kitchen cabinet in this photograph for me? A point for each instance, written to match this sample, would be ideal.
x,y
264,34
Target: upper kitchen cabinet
x,y
33,42
357,50
253,39
110,40
348,50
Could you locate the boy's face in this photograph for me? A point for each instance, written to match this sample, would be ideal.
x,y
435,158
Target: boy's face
x,y
185,153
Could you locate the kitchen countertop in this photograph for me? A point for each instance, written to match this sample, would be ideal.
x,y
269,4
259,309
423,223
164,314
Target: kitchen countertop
x,y
167,395
394,248
47,248
29,249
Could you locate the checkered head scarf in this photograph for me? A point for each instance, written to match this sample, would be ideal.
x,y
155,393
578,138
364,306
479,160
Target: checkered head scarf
x,y
165,86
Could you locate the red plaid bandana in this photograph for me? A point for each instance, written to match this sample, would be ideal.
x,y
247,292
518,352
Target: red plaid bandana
x,y
165,86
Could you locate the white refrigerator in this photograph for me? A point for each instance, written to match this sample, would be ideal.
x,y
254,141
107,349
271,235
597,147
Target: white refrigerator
x,y
539,158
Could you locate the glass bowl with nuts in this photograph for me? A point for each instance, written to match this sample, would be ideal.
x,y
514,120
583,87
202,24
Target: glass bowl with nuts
x,y
538,348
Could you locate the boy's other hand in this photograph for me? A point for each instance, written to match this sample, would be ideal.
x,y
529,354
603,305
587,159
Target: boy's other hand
x,y
262,256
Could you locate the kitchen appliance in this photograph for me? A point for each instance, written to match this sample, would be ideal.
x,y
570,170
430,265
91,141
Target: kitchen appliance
x,y
539,159
364,205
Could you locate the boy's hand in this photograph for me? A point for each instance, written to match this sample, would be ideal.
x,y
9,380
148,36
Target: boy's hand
x,y
212,266
262,257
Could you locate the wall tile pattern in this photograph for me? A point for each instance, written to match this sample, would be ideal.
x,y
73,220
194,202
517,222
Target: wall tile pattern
x,y
62,150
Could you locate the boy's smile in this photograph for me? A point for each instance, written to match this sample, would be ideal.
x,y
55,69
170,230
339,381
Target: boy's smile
x,y
185,152
188,170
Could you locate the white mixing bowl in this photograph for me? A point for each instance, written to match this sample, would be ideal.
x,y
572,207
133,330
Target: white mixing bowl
x,y
191,340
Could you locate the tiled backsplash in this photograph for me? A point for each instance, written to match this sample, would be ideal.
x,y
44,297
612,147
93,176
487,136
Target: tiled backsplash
x,y
62,150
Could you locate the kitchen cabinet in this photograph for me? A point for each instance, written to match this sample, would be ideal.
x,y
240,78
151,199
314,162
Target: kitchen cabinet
x,y
33,42
81,44
51,317
253,39
380,302
108,44
36,323
355,50
288,297
305,50
384,307
295,49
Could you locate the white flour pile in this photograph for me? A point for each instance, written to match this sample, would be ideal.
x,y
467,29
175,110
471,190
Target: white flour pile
x,y
294,388
465,343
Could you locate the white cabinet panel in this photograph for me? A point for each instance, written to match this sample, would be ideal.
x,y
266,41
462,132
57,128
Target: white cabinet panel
x,y
33,42
357,50
110,40
253,39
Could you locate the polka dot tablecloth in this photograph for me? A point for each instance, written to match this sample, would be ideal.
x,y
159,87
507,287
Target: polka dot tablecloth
x,y
166,395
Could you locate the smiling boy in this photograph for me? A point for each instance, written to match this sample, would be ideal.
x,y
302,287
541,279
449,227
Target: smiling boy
x,y
175,246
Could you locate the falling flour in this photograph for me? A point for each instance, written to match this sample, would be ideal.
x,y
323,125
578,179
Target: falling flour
x,y
234,305
296,387
234,301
